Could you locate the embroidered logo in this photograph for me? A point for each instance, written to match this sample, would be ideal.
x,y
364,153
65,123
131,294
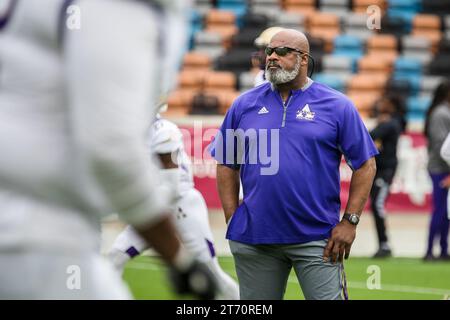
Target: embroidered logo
x,y
305,113
263,110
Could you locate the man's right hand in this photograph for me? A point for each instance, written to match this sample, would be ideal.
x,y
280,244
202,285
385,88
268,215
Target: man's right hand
x,y
196,279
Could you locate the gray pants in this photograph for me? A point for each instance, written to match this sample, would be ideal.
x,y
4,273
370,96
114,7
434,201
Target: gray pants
x,y
263,271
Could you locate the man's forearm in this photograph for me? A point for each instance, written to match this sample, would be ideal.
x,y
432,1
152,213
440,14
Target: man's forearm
x,y
360,185
228,187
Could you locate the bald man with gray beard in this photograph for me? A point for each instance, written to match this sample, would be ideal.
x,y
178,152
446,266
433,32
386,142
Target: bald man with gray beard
x,y
289,217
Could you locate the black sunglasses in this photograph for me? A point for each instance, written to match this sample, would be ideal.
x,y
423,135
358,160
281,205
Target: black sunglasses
x,y
280,51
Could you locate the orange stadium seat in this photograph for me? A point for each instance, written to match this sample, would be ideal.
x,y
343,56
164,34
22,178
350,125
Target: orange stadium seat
x,y
179,102
220,80
225,31
382,47
364,102
222,22
367,83
362,5
300,6
382,43
220,17
196,60
428,26
373,65
325,26
192,79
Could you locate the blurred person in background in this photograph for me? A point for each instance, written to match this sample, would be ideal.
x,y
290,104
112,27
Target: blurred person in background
x,y
390,115
437,127
190,211
445,154
75,106
259,57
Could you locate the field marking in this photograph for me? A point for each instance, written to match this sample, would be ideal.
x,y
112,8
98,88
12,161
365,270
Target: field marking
x,y
392,288
150,265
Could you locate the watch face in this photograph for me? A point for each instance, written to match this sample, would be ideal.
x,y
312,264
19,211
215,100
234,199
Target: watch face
x,y
354,219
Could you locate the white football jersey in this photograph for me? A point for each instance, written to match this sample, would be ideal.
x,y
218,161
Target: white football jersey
x,y
74,113
166,137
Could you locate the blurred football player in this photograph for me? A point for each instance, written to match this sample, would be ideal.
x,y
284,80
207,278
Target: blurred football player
x,y
74,110
191,213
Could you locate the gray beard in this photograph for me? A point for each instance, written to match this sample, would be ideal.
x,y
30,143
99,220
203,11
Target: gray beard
x,y
281,75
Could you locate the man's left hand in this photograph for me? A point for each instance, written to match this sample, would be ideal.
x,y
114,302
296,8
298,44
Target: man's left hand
x,y
340,242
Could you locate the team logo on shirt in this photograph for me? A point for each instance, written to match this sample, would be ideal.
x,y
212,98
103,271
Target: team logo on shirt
x,y
263,110
305,113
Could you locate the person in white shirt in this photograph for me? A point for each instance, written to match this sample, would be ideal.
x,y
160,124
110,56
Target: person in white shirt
x,y
74,110
191,213
445,154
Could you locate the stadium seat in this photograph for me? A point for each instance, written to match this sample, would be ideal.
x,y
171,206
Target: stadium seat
x,y
325,26
417,47
383,43
191,79
180,102
400,7
428,26
361,5
372,84
396,24
429,84
222,80
408,67
246,81
355,24
209,43
349,46
203,6
334,81
290,20
238,7
372,64
417,107
335,6
364,102
299,5
337,64
261,5
196,60
196,24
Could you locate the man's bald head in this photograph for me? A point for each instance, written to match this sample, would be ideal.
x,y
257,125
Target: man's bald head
x,y
290,38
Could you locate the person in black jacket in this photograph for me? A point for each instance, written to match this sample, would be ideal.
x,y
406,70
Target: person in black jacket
x,y
391,123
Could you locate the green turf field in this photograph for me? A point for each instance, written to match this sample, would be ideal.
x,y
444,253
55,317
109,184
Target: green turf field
x,y
401,278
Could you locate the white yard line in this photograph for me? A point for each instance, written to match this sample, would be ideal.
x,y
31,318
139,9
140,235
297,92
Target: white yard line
x,y
392,288
351,284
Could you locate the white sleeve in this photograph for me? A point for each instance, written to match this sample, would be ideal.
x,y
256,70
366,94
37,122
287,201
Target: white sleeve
x,y
112,65
445,150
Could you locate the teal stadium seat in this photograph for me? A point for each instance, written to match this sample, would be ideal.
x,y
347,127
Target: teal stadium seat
x,y
349,46
239,7
334,81
417,108
409,69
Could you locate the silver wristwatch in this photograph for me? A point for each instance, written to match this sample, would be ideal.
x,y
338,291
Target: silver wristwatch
x,y
352,218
